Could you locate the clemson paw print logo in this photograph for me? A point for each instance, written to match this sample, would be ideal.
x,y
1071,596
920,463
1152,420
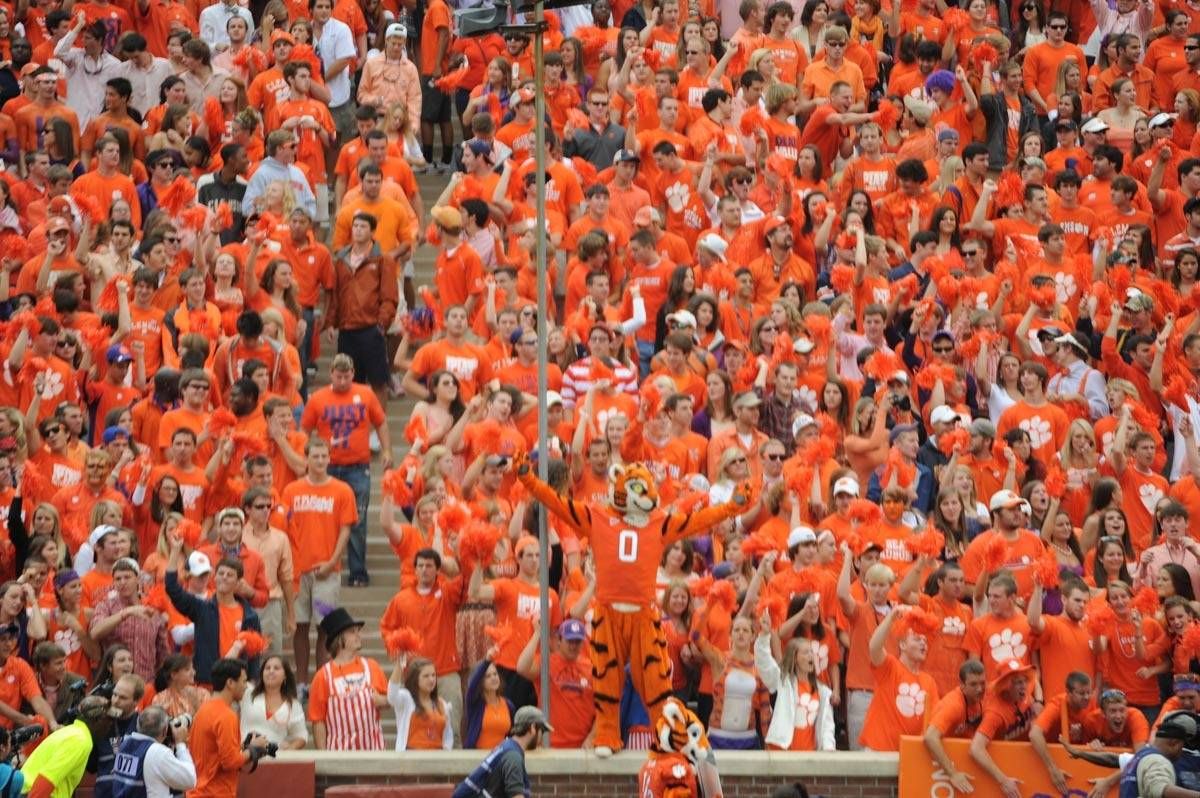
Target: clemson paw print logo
x,y
67,640
53,385
882,296
820,653
1038,429
1150,495
1064,286
806,710
981,301
910,700
953,626
677,196
1006,645
807,397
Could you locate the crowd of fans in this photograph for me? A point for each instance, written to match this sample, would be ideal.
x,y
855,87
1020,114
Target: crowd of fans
x,y
923,279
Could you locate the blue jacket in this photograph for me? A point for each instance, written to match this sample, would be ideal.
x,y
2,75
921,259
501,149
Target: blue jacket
x,y
473,707
207,618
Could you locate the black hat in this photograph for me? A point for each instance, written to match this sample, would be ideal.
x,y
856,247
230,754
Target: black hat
x,y
335,623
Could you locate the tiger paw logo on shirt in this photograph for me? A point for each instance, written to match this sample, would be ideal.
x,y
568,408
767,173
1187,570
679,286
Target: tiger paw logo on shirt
x,y
910,700
1006,645
806,710
953,626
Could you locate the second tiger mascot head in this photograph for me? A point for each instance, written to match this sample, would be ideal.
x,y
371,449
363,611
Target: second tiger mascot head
x,y
632,492
678,730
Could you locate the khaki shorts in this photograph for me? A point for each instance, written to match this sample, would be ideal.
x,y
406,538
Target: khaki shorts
x,y
322,194
327,591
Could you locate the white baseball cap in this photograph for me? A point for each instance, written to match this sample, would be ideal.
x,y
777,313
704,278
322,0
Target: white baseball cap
x,y
396,29
801,534
1002,499
943,414
1094,125
846,485
714,244
198,564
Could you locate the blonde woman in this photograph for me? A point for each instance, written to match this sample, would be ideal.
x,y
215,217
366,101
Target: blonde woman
x,y
156,561
1069,78
763,60
1079,459
802,717
397,123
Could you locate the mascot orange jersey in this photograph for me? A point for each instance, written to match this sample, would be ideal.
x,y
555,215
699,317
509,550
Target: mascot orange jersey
x,y
627,537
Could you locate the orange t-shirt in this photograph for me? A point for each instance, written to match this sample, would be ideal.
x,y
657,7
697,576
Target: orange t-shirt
x,y
495,725
432,615
1119,662
859,674
345,420
517,603
217,750
1068,647
952,715
1002,720
902,704
1057,717
193,486
994,641
1022,556
946,652
105,189
316,515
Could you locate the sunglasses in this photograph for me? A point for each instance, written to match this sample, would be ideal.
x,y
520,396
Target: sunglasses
x,y
775,457
943,350
54,430
1191,47
693,52
738,461
743,180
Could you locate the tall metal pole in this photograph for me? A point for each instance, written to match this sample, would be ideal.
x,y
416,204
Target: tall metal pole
x,y
539,20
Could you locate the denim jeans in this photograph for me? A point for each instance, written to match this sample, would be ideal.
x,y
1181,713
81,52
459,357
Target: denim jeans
x,y
358,477
645,351
310,318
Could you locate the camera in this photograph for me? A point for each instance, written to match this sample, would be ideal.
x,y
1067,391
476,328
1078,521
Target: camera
x,y
258,753
24,734
183,721
902,402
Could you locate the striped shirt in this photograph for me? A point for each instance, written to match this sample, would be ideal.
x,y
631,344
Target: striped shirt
x,y
577,380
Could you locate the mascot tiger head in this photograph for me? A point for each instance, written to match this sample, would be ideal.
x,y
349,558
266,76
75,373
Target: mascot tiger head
x,y
678,730
632,492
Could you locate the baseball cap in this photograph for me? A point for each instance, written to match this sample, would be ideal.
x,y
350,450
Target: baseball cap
x,y
447,217
802,420
281,36
1136,301
530,716
899,430
943,414
396,29
1094,125
683,318
1066,124
1162,120
481,149
1002,499
198,564
119,354
626,156
572,629
553,398
1078,340
747,399
983,428
948,134
228,511
114,432
773,224
645,217
801,535
714,244
1177,726
100,533
56,223
847,485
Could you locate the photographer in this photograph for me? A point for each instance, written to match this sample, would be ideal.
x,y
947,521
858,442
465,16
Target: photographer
x,y
216,739
57,765
62,689
145,766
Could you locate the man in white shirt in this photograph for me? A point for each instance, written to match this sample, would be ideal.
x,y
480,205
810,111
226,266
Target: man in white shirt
x,y
88,69
214,19
334,43
143,763
144,71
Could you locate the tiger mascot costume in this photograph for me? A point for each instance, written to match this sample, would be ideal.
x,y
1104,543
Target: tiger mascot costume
x,y
628,536
681,762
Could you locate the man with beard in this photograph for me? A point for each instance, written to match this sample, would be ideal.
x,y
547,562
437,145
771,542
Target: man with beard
x,y
502,772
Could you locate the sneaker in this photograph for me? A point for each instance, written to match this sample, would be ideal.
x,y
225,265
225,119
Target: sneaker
x,y
375,445
444,168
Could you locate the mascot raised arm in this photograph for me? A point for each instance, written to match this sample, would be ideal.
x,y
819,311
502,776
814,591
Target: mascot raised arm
x,y
628,535
681,762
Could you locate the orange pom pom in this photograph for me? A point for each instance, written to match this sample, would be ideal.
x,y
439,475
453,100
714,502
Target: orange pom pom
x,y
841,278
907,287
775,607
723,596
1010,190
758,544
1055,481
1044,296
995,554
887,116
881,365
957,437
89,209
477,543
396,487
404,640
175,197
453,517
1145,601
820,328
221,422
982,54
252,642
864,512
918,622
1049,570
224,216
1190,642
1101,619
929,542
190,532
415,429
